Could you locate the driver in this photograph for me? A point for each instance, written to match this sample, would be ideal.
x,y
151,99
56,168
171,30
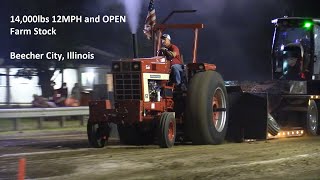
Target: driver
x,y
292,64
172,53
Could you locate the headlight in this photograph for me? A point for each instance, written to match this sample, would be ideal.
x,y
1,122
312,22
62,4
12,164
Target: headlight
x,y
116,66
135,66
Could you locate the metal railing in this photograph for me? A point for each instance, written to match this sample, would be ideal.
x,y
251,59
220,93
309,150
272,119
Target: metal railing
x,y
41,113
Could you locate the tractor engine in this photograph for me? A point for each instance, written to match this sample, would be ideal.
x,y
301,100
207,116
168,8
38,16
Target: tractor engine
x,y
154,90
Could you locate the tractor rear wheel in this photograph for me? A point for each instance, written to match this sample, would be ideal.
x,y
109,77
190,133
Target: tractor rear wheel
x,y
167,130
98,134
207,106
312,119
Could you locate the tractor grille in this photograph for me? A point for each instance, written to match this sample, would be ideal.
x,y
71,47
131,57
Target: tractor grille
x,y
127,86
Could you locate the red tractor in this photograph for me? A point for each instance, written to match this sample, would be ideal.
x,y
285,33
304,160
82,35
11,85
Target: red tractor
x,y
147,109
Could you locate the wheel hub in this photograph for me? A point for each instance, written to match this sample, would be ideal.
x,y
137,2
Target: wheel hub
x,y
219,103
171,131
312,117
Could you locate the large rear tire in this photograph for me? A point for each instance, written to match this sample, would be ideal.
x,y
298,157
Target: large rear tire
x,y
167,130
207,108
312,119
98,134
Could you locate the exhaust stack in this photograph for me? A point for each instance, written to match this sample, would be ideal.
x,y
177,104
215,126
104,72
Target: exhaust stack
x,y
135,45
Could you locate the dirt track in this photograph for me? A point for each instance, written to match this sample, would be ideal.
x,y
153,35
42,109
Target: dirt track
x,y
56,156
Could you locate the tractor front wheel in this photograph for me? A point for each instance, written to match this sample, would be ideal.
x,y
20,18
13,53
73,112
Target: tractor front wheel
x,y
167,130
98,134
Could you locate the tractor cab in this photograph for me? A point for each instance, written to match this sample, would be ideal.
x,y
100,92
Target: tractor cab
x,y
295,48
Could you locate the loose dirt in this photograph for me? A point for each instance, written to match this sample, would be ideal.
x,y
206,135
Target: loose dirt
x,y
68,156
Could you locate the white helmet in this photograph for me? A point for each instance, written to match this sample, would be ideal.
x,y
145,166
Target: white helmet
x,y
166,36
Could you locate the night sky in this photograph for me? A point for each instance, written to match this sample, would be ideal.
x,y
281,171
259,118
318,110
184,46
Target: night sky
x,y
237,35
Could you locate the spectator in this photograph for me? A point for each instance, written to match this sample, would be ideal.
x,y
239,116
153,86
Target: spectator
x,y
58,99
39,101
72,101
76,90
51,90
64,90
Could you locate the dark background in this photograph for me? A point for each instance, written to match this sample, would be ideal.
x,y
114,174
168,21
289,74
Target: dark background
x,y
237,35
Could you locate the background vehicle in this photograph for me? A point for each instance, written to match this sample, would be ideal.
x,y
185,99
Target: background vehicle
x,y
289,102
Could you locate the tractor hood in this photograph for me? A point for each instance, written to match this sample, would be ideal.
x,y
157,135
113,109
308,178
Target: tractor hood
x,y
156,64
